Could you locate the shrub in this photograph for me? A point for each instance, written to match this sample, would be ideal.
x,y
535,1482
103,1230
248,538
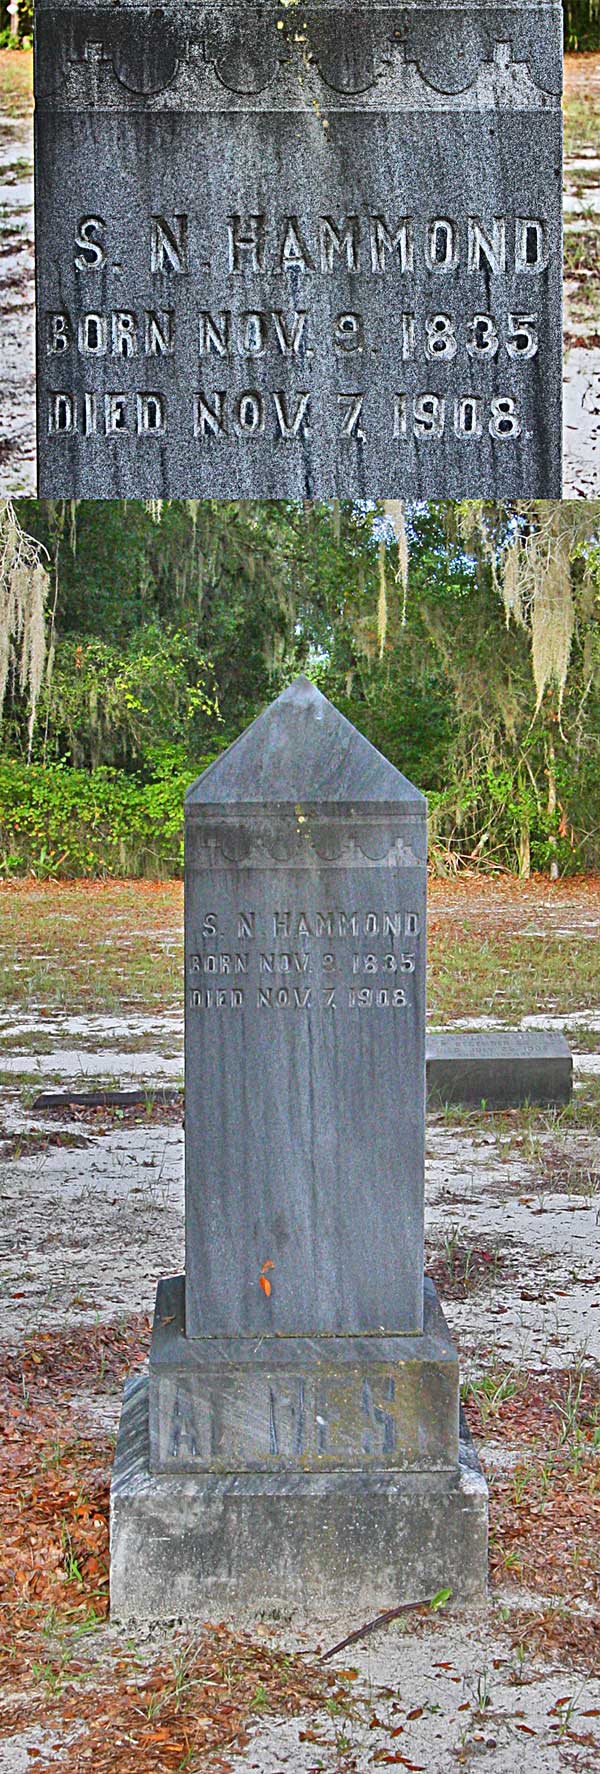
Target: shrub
x,y
56,821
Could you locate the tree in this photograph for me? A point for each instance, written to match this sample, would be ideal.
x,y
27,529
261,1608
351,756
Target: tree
x,y
463,639
545,564
24,586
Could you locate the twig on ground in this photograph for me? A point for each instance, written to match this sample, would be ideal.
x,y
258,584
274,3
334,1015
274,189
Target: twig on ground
x,y
381,1620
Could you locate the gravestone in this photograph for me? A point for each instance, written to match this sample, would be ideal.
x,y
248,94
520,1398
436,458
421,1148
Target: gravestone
x,y
297,1446
297,252
500,1067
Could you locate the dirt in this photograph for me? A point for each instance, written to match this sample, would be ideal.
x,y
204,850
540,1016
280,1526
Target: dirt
x,y
17,308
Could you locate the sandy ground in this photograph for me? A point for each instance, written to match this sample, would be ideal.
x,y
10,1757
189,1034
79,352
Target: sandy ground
x,y
89,1227
582,316
455,1726
17,314
107,1207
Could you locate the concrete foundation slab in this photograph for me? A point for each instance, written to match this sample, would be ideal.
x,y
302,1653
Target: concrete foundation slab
x,y
292,1546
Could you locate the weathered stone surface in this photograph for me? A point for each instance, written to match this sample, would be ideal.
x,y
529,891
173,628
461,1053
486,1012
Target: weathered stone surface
x,y
226,1404
288,1545
296,1450
299,257
504,1067
305,879
501,1067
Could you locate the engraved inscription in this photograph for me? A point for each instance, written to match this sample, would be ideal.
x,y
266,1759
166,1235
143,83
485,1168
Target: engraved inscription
x,y
325,969
378,244
284,1418
421,256
248,333
110,415
118,333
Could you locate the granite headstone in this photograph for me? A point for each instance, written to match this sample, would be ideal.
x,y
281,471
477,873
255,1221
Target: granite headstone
x,y
289,251
298,1445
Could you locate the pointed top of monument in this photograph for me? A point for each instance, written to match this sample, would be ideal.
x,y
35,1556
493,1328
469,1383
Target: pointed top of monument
x,y
301,750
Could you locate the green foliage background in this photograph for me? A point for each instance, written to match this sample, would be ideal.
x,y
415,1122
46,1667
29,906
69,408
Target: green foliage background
x,y
25,21
582,24
169,636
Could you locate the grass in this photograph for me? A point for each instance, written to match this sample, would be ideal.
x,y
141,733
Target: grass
x,y
28,1041
581,251
510,977
16,82
90,946
17,171
582,1040
581,125
116,946
522,1129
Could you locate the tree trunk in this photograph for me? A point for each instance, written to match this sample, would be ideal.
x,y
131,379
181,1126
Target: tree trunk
x,y
551,773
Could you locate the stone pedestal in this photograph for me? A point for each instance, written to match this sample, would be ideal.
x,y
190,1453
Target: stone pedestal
x,y
294,1478
307,1404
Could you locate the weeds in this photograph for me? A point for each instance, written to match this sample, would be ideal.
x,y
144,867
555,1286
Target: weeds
x,y
483,1698
491,1392
71,1563
568,1412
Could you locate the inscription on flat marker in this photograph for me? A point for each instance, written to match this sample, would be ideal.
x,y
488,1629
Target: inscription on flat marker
x,y
284,257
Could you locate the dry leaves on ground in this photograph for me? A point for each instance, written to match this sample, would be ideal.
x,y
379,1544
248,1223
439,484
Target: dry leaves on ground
x,y
545,1509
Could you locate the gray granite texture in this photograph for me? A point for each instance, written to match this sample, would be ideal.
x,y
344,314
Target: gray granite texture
x,y
292,257
305,881
277,1404
501,1067
297,1450
296,1546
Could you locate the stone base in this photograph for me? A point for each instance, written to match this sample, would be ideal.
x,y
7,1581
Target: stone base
x,y
288,1546
281,1403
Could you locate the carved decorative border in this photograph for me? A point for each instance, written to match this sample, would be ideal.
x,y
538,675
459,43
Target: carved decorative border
x,y
267,59
315,845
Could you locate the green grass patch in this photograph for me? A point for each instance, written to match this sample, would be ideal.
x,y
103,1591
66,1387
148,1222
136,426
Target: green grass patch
x,y
92,946
581,125
582,250
511,977
582,1040
16,82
